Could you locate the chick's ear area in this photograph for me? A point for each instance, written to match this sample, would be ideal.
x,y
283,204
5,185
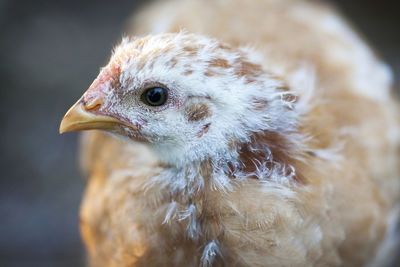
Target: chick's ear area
x,y
197,111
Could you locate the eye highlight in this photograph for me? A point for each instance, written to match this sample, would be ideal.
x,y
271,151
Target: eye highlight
x,y
155,96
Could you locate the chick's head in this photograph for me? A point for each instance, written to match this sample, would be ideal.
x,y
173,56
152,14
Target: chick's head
x,y
186,96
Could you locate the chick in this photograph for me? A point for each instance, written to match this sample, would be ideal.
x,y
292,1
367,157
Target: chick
x,y
285,153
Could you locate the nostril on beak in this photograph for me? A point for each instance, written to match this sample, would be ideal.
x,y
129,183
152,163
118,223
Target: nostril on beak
x,y
93,103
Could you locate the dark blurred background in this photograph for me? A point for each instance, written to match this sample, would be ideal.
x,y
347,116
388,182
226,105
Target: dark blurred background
x,y
50,51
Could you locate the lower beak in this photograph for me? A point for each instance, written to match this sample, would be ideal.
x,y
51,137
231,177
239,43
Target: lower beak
x,y
78,118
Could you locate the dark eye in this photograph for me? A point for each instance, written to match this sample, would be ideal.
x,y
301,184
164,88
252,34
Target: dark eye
x,y
156,96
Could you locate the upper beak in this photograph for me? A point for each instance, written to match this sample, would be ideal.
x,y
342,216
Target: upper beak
x,y
80,118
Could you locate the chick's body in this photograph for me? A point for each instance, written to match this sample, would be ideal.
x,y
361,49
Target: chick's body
x,y
341,182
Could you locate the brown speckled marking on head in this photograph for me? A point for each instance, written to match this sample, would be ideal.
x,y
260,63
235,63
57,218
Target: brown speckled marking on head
x,y
215,66
259,104
248,70
284,87
210,73
204,130
115,82
190,51
219,63
172,63
291,98
287,96
224,46
189,48
188,72
197,112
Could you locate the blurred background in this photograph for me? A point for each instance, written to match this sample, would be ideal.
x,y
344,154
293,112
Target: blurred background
x,y
50,52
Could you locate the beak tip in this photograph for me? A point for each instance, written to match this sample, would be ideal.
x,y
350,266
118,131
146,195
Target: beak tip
x,y
63,127
61,131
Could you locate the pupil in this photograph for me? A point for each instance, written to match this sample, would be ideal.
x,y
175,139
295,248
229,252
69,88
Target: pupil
x,y
156,96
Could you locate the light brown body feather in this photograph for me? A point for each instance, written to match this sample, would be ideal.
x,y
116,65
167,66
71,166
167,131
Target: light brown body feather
x,y
339,215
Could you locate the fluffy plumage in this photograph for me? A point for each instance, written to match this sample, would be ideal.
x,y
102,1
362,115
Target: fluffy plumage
x,y
285,153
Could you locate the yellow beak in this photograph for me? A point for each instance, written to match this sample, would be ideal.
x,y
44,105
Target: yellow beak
x,y
78,118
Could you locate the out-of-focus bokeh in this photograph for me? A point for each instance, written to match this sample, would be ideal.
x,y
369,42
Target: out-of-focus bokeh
x,y
50,51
